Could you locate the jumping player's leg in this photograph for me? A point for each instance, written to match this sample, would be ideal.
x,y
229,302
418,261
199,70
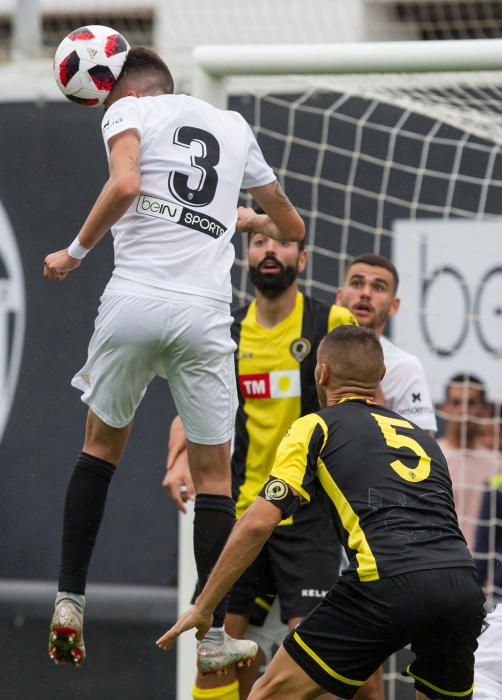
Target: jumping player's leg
x,y
85,499
199,365
214,518
214,513
120,364
83,511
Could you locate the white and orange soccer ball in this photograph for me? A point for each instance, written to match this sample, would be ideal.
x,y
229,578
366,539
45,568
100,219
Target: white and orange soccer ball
x,y
88,62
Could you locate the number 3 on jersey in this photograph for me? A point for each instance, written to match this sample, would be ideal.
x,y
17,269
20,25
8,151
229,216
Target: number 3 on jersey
x,y
198,188
394,439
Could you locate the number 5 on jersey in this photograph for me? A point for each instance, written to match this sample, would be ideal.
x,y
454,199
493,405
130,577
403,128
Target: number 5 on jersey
x,y
393,439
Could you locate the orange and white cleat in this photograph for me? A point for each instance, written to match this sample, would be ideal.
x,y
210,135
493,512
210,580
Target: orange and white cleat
x,y
66,641
216,658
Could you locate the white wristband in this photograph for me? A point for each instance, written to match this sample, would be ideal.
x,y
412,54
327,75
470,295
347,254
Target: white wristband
x,y
75,250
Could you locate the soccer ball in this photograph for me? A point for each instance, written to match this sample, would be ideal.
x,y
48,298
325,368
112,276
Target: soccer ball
x,y
88,62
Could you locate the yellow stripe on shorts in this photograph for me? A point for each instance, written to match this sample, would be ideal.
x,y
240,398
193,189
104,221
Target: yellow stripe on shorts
x,y
451,693
322,664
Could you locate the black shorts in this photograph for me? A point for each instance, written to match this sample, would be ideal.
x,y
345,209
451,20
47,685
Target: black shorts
x,y
299,563
359,625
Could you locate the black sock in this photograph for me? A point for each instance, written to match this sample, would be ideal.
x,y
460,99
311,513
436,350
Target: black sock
x,y
83,511
213,521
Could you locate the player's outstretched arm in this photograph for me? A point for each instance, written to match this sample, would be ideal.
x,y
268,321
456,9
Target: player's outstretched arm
x,y
241,549
281,220
117,195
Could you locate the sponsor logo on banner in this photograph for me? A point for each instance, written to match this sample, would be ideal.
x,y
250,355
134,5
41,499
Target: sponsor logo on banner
x,y
273,385
12,317
451,299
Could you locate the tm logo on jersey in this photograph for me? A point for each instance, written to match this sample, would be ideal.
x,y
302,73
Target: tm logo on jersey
x,y
272,385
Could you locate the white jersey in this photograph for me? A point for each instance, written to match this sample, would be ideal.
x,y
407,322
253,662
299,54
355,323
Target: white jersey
x,y
405,387
195,158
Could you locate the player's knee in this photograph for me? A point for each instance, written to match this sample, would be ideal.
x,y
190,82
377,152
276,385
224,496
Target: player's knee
x,y
104,441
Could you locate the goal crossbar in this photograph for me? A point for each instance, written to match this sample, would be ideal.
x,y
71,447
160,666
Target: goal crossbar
x,y
214,64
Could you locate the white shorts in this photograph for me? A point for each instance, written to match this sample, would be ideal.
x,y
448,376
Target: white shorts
x,y
488,659
183,338
270,636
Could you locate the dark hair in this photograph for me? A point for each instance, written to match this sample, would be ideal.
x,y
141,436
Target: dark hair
x,y
376,261
355,351
468,380
350,335
144,63
259,210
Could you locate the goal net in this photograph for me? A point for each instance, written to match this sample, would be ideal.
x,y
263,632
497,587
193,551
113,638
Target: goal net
x,y
388,164
397,164
356,154
409,166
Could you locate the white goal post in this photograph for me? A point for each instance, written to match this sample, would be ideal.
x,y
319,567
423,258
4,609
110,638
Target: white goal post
x,y
215,66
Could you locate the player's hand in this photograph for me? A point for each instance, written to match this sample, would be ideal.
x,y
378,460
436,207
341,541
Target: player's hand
x,y
58,265
178,482
246,218
193,617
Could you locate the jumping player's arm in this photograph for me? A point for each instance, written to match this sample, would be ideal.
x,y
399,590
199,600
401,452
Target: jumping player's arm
x,y
246,540
281,221
117,195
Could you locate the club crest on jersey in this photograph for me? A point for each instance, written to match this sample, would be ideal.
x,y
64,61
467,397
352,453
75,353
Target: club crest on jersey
x,y
276,490
300,348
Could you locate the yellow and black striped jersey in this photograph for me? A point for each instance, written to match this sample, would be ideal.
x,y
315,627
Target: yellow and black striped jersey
x,y
385,483
275,373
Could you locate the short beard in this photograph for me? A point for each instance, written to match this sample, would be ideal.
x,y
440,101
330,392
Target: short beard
x,y
273,285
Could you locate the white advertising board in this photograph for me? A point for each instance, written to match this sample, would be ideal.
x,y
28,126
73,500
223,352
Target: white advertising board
x,y
451,299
